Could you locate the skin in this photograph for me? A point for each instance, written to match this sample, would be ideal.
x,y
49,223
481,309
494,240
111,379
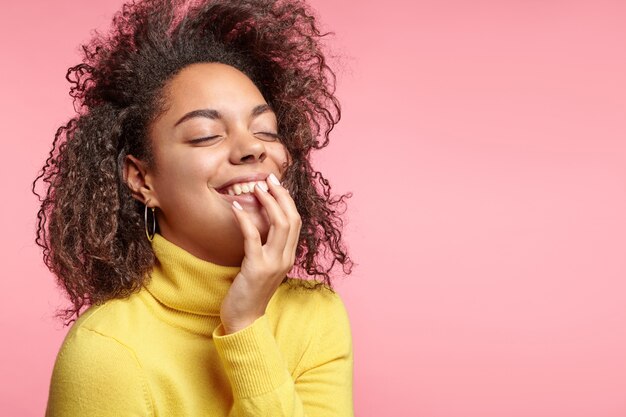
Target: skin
x,y
262,236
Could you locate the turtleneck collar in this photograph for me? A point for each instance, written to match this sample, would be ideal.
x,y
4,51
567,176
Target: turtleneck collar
x,y
183,282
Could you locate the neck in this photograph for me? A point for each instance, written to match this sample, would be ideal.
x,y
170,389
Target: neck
x,y
184,282
228,253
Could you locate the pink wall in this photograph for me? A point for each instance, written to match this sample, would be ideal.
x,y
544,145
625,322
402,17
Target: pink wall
x,y
485,143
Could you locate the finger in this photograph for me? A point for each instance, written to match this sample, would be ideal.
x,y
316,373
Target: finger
x,y
285,201
252,244
282,196
292,240
279,224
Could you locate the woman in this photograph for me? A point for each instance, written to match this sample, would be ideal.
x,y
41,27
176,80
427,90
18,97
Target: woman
x,y
178,199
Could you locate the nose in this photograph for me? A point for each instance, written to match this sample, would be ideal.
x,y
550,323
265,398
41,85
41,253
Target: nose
x,y
247,149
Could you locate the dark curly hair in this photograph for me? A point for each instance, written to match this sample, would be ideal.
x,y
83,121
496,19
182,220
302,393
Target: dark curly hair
x,y
90,227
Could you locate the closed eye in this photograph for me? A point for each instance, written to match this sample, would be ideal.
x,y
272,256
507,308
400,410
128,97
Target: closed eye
x,y
207,138
275,136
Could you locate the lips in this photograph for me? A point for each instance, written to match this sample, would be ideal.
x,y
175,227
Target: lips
x,y
241,189
243,184
246,200
244,187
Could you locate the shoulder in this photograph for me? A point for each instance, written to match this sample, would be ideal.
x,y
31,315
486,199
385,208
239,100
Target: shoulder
x,y
319,319
102,333
84,345
115,318
309,297
95,367
94,338
321,308
93,372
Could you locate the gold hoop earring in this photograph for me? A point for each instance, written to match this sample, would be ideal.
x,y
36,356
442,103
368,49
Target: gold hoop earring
x,y
145,219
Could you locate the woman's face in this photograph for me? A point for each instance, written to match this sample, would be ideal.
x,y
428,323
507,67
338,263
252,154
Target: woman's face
x,y
215,137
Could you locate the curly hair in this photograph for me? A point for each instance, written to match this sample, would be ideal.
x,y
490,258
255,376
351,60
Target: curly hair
x,y
89,226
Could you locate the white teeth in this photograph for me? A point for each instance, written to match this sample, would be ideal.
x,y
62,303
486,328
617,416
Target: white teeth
x,y
245,187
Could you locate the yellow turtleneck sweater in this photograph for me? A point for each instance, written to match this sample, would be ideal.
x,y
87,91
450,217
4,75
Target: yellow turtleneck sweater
x,y
163,352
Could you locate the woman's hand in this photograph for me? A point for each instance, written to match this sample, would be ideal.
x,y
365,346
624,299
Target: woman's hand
x,y
264,266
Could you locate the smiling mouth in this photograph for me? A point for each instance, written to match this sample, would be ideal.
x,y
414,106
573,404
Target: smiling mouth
x,y
242,188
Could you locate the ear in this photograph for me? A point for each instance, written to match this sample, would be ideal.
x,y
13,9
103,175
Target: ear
x,y
139,181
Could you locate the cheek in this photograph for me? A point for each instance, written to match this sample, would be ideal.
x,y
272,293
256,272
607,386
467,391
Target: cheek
x,y
194,164
186,174
279,154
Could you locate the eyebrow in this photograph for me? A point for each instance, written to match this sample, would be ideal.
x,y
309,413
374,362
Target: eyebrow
x,y
214,114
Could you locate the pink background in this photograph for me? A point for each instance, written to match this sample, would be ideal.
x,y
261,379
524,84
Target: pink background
x,y
485,143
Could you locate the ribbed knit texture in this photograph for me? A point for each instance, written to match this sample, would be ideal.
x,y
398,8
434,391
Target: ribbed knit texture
x,y
163,352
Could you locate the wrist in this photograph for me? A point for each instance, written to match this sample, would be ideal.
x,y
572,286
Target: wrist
x,y
230,328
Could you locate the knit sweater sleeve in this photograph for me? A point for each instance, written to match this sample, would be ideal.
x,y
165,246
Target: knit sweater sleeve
x,y
96,375
261,382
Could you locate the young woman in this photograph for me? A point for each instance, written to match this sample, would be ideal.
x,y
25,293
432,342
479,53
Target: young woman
x,y
178,199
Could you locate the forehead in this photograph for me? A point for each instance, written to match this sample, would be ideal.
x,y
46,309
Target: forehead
x,y
211,85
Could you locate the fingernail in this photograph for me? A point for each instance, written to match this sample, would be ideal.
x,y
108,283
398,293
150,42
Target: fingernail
x,y
262,186
274,179
237,205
